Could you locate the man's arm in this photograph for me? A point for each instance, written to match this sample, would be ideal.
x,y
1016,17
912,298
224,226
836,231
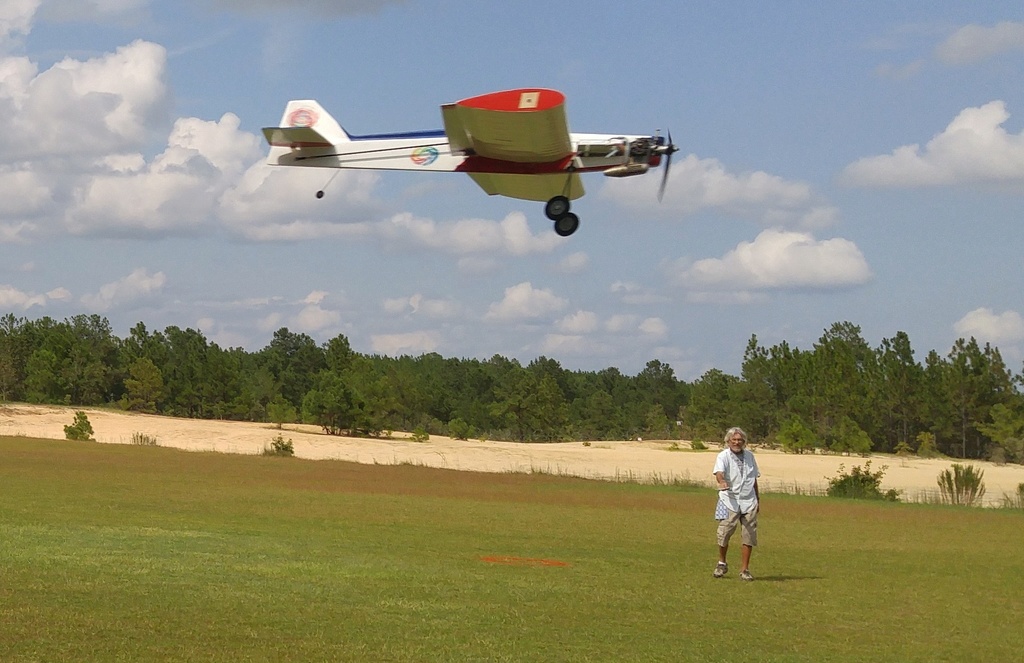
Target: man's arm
x,y
723,484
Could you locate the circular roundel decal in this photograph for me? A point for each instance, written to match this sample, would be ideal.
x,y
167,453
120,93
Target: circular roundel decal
x,y
302,117
424,156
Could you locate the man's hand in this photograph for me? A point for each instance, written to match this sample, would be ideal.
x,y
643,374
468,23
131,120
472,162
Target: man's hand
x,y
723,484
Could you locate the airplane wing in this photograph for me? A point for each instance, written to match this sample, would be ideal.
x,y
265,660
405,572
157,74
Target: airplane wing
x,y
516,143
530,187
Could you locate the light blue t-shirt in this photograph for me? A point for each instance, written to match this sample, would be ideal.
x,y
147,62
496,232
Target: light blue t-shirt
x,y
740,471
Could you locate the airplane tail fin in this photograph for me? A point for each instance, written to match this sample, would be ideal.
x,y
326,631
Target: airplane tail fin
x,y
305,124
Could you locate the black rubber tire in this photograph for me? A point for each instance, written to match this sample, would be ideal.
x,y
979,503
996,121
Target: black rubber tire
x,y
556,208
567,225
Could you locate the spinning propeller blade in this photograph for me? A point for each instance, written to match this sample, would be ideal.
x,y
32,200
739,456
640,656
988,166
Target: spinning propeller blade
x,y
668,151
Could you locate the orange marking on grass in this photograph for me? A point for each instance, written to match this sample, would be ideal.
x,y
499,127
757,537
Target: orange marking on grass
x,y
522,561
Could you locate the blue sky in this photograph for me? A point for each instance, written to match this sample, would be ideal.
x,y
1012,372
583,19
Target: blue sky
x,y
837,162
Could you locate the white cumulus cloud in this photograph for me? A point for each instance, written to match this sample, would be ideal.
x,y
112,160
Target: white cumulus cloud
x,y
986,325
654,327
511,235
573,263
16,18
414,343
634,293
775,260
314,318
573,344
696,185
11,297
974,43
23,192
59,294
621,323
973,148
523,301
315,297
178,190
140,284
580,322
418,304
76,107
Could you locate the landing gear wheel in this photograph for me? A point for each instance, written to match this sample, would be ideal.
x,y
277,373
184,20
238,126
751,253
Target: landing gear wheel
x,y
556,208
567,224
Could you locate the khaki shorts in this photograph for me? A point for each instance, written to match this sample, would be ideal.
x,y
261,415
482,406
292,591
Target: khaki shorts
x,y
747,524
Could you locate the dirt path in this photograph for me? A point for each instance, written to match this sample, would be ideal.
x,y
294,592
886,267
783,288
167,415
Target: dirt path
x,y
641,461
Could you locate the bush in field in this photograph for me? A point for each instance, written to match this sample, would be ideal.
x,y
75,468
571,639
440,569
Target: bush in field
x,y
849,438
795,436
1014,500
459,429
420,435
144,440
81,429
861,483
280,412
962,484
926,445
280,447
1007,434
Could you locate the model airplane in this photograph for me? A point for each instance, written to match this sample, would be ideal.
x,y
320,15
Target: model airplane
x,y
513,143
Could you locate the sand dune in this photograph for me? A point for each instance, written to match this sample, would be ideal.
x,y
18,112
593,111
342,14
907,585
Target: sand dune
x,y
640,460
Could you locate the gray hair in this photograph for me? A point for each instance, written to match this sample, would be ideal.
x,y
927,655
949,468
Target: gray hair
x,y
732,431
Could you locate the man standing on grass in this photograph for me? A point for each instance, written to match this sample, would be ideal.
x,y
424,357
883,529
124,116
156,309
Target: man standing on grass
x,y
738,500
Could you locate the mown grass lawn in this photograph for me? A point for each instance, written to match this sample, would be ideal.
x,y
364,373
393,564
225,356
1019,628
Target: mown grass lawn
x,y
135,553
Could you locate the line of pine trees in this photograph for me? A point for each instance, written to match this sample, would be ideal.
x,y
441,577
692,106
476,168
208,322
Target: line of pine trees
x,y
840,395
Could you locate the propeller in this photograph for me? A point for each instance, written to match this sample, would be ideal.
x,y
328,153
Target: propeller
x,y
668,151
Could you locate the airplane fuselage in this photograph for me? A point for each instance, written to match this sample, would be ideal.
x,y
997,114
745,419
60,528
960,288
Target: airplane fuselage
x,y
431,151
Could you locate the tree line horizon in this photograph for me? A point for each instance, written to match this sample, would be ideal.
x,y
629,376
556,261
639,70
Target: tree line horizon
x,y
840,396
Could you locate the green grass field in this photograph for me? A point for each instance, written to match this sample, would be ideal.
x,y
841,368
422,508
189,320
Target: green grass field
x,y
131,553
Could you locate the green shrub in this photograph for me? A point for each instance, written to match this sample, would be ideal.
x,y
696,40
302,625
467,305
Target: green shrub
x,y
903,449
1014,500
997,454
81,429
698,445
962,484
280,447
796,437
860,483
926,445
1006,430
848,438
144,440
420,435
280,412
459,429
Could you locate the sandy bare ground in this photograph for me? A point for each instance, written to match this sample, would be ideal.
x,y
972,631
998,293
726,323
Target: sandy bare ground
x,y
641,461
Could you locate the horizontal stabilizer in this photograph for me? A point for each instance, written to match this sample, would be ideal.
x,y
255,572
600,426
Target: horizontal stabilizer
x,y
295,137
305,123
